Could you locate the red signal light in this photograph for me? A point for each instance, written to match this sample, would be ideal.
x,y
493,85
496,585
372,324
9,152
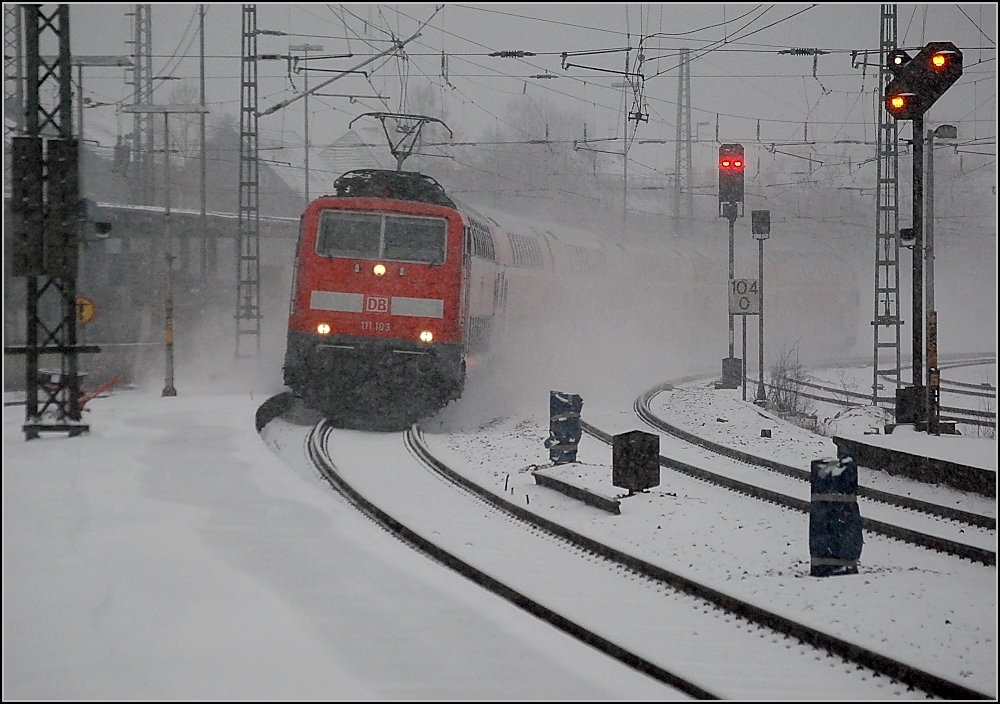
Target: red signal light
x,y
738,164
726,163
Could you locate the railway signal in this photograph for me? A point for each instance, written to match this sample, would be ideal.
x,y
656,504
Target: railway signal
x,y
898,59
916,85
731,168
918,82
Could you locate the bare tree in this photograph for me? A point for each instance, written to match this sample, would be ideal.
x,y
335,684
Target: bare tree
x,y
785,391
848,387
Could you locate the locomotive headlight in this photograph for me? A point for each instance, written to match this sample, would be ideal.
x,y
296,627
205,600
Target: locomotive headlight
x,y
426,336
323,328
379,270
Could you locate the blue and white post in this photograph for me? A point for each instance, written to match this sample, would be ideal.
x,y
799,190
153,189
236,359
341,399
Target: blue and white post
x,y
835,537
564,426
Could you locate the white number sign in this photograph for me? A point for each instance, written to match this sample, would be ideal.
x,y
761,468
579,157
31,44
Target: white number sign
x,y
744,297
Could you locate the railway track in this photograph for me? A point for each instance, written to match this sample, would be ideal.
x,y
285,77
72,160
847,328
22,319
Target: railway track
x,y
896,530
558,567
968,416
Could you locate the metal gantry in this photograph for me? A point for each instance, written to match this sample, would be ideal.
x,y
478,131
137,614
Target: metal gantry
x,y
45,206
141,177
886,323
683,197
248,245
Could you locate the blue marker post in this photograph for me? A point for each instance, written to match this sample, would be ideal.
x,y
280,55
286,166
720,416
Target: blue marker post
x,y
835,537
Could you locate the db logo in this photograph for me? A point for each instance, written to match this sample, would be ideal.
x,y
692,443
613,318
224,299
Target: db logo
x,y
376,304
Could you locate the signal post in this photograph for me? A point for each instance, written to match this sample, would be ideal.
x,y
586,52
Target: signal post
x,y
731,169
760,227
916,84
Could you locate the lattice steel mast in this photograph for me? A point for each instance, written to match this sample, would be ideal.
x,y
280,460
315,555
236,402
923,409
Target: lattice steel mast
x,y
886,323
45,211
248,244
683,198
141,177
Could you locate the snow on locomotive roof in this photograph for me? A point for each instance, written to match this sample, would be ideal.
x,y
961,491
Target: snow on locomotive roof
x,y
382,183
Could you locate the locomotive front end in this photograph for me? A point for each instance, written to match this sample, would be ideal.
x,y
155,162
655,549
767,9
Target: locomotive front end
x,y
374,325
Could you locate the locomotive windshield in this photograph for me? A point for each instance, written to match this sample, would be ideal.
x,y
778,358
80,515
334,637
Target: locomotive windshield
x,y
397,238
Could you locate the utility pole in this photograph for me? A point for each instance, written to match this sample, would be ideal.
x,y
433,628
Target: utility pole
x,y
80,62
306,48
625,86
165,110
933,372
625,180
201,122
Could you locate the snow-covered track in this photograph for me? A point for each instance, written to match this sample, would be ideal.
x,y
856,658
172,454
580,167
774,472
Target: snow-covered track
x,y
316,447
963,415
976,553
643,410
570,568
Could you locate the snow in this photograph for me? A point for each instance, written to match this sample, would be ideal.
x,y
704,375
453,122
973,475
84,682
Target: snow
x,y
954,448
168,554
173,553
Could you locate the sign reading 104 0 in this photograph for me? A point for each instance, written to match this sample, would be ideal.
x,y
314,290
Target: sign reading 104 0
x,y
744,297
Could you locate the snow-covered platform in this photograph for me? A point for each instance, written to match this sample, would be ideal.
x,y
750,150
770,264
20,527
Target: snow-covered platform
x,y
952,460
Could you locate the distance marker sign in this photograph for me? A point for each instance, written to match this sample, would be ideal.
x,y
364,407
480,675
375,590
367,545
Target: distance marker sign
x,y
744,297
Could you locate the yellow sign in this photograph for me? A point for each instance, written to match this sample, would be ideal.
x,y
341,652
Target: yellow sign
x,y
85,310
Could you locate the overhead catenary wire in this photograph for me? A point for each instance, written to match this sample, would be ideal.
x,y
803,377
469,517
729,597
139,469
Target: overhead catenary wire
x,y
840,124
695,107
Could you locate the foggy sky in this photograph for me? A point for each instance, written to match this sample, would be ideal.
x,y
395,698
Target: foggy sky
x,y
738,75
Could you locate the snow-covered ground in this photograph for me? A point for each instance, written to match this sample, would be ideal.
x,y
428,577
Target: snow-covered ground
x,y
169,554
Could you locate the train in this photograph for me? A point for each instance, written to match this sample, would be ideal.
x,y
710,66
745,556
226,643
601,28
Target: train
x,y
400,289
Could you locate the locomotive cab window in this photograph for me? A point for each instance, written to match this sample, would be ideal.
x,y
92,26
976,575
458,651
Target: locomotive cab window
x,y
409,239
350,235
387,237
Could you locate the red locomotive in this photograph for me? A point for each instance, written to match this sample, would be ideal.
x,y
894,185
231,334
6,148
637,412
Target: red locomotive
x,y
397,290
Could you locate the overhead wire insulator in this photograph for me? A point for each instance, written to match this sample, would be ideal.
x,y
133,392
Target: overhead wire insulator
x,y
512,54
